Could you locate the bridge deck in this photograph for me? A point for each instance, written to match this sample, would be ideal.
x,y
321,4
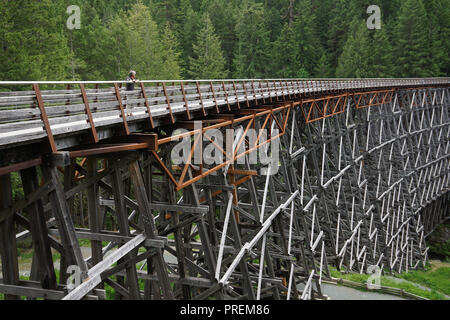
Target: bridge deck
x,y
22,121
76,115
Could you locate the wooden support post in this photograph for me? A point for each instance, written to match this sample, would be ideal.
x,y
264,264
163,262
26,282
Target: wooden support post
x,y
93,210
262,92
149,226
124,228
39,232
270,93
254,92
8,248
210,257
66,228
181,256
298,88
247,284
293,89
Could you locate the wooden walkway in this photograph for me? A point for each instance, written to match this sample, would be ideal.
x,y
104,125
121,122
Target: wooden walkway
x,y
95,110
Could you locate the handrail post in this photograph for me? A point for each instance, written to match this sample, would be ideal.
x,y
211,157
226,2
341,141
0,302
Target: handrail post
x,y
87,110
185,101
44,118
122,111
200,97
168,102
147,105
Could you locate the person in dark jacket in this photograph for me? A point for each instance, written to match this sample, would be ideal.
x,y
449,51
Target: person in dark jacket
x,y
131,80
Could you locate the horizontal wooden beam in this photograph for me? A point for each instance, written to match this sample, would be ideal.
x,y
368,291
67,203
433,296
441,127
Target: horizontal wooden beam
x,y
153,243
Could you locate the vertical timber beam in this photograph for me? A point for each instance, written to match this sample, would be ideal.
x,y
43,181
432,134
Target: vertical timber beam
x,y
66,228
93,210
39,232
8,248
149,226
124,228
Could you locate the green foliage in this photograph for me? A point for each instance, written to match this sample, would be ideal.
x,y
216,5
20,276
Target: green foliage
x,y
366,54
208,61
355,59
437,280
412,39
224,16
171,39
251,55
441,249
34,45
171,55
140,47
187,32
438,13
16,185
298,49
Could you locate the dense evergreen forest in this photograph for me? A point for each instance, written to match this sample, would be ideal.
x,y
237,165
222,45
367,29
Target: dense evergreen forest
x,y
185,39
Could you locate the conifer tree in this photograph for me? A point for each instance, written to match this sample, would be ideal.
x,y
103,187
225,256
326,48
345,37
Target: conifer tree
x,y
89,44
171,55
224,16
339,29
139,46
34,43
380,57
354,61
251,52
188,32
323,68
207,61
438,13
256,38
298,49
412,43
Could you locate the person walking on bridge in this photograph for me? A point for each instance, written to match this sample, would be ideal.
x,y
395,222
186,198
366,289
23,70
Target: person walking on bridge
x,y
131,80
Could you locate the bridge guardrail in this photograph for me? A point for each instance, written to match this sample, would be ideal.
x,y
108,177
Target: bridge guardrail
x,y
30,116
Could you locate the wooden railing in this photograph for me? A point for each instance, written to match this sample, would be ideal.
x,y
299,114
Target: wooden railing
x,y
93,107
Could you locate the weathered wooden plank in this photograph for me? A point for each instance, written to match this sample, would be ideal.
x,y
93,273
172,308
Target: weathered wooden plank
x,y
30,292
94,275
111,236
166,207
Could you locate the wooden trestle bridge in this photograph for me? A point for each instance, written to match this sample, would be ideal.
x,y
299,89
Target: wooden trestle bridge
x,y
357,175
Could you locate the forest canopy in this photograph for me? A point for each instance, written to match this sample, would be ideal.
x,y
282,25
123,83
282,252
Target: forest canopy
x,y
193,39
